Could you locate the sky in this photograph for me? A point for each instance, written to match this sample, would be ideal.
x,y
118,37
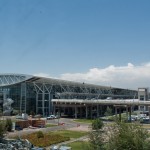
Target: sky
x,y
104,42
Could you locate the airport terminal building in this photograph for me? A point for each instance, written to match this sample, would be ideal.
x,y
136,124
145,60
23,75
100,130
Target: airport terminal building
x,y
35,94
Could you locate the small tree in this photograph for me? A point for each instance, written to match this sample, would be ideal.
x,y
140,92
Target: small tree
x,y
123,136
97,140
108,111
8,124
96,136
97,124
2,128
120,136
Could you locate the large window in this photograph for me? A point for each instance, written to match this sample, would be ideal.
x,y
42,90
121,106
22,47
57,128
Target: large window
x,y
141,97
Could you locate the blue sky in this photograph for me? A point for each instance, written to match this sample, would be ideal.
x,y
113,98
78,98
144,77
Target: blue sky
x,y
65,37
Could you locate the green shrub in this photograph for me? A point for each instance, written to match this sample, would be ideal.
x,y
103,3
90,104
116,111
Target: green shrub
x,y
2,128
40,134
47,140
8,124
97,124
108,111
126,136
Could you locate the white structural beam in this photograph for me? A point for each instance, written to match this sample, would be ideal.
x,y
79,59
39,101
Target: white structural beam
x,y
100,101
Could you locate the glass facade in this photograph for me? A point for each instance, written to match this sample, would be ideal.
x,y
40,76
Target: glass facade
x,y
24,97
34,94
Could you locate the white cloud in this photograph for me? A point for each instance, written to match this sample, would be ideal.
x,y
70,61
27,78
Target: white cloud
x,y
128,76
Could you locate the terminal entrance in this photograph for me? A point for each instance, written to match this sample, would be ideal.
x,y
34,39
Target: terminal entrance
x,y
81,111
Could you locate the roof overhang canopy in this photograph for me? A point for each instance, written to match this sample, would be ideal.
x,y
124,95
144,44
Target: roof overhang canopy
x,y
10,79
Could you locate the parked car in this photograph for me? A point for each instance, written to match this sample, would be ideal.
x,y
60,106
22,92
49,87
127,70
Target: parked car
x,y
19,116
109,98
51,117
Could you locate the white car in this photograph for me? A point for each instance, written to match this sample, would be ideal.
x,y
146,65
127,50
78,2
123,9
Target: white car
x,y
51,117
109,98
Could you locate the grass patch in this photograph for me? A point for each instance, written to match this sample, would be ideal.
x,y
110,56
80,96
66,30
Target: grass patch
x,y
79,145
45,139
84,120
71,134
50,125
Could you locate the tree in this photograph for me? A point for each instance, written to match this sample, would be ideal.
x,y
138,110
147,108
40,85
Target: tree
x,y
120,136
108,111
125,136
96,136
97,140
97,124
2,128
8,125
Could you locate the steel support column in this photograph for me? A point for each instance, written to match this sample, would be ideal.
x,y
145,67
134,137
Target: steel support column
x,y
97,111
91,112
76,112
120,114
127,112
36,102
116,111
43,101
130,114
86,111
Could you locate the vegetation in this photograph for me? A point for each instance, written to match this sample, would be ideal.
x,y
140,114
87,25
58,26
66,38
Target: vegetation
x,y
5,125
71,134
97,124
2,128
46,139
128,136
43,140
114,118
8,124
120,136
84,120
108,111
80,145
50,125
96,136
40,134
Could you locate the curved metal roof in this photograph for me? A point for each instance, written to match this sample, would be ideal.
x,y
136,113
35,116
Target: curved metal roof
x,y
55,81
9,79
